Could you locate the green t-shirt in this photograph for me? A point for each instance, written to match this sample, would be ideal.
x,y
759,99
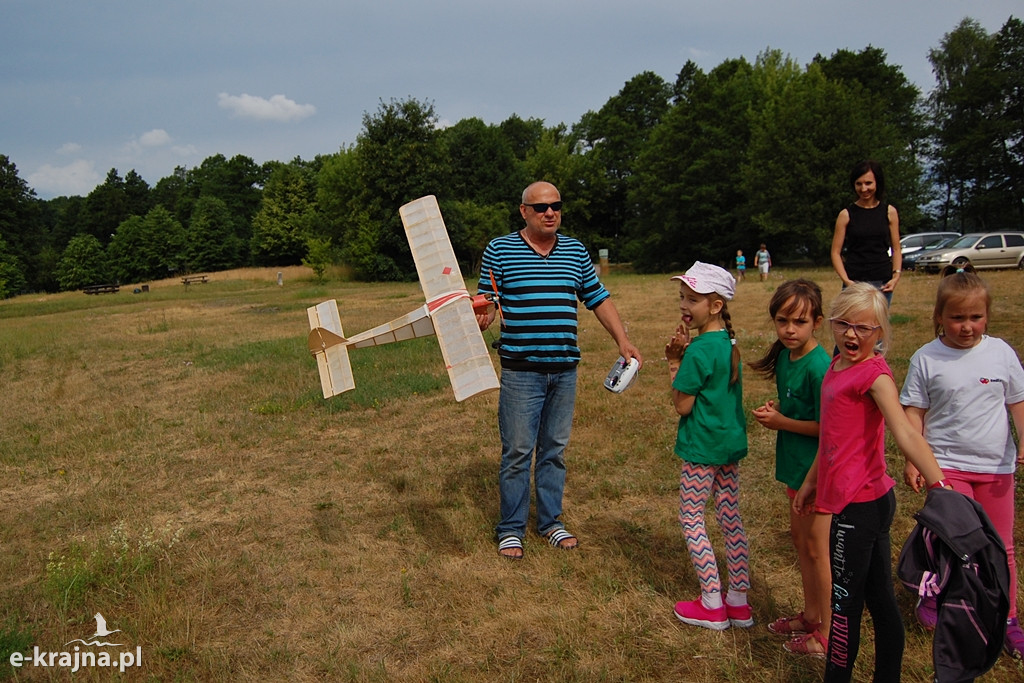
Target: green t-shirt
x,y
715,431
799,386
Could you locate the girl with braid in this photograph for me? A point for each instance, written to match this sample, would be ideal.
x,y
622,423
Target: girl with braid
x,y
711,440
798,364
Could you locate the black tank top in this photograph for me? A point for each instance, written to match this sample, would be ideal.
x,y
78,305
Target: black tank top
x,y
866,247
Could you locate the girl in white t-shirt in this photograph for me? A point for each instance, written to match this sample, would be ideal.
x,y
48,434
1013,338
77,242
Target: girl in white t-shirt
x,y
957,392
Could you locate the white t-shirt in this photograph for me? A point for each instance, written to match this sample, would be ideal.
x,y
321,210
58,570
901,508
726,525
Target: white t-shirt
x,y
965,393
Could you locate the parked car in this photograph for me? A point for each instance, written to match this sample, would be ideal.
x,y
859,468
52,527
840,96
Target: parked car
x,y
981,250
911,244
910,261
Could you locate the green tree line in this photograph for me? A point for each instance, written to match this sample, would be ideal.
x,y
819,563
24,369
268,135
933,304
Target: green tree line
x,y
662,174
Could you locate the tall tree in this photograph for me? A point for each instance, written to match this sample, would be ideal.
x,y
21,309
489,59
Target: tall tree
x,y
870,70
212,242
105,208
171,192
20,226
807,131
83,263
399,159
12,277
286,219
471,226
1009,132
337,194
238,182
147,247
688,175
965,107
522,134
482,169
610,141
137,195
555,160
482,166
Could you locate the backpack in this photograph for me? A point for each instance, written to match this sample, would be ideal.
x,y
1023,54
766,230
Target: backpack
x,y
955,555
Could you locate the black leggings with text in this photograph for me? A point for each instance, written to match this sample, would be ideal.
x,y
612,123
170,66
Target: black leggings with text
x,y
862,576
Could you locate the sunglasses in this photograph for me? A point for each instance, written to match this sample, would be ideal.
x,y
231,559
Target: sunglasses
x,y
543,208
862,331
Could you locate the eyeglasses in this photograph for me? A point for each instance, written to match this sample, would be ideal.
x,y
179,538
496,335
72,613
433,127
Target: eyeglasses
x,y
543,208
862,331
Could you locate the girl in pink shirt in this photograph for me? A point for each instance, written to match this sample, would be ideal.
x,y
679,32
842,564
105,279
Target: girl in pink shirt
x,y
848,479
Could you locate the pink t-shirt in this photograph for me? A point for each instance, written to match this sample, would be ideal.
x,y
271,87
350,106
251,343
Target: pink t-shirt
x,y
851,451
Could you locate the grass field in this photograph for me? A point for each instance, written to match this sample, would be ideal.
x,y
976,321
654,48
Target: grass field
x,y
167,460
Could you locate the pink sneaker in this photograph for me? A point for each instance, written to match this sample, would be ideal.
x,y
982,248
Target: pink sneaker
x,y
740,617
696,614
927,613
1014,644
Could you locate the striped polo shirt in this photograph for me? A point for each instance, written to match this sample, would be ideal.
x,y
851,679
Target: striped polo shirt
x,y
539,300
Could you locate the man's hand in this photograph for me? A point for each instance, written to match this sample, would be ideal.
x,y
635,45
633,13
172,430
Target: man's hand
x,y
627,350
484,320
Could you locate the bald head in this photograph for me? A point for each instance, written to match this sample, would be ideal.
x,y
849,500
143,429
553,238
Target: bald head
x,y
537,188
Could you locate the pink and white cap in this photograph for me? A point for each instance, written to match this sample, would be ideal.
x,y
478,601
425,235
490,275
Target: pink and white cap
x,y
705,278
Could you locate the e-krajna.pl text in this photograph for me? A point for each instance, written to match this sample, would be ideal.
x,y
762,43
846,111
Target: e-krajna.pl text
x,y
77,660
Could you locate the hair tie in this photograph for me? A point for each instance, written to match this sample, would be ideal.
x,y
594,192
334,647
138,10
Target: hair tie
x,y
959,270
733,341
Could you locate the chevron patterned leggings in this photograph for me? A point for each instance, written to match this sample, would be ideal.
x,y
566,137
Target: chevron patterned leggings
x,y
697,484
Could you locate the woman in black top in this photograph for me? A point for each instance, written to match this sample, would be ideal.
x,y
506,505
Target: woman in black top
x,y
866,242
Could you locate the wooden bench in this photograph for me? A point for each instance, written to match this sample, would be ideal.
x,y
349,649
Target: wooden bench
x,y
101,289
192,279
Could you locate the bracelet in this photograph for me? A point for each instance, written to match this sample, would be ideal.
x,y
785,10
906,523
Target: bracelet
x,y
940,484
896,272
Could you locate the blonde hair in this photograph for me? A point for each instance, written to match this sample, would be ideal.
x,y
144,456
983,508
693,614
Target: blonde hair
x,y
863,297
956,285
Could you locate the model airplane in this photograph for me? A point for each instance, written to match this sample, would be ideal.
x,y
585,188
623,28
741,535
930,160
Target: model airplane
x,y
450,313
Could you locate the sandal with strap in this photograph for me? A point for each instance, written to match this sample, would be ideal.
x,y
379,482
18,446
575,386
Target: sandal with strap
x,y
801,645
783,626
558,536
510,543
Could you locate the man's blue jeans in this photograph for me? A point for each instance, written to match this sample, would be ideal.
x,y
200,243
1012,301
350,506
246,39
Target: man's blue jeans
x,y
535,412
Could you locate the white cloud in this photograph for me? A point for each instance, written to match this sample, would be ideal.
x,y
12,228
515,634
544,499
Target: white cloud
x,y
77,178
69,148
185,150
277,108
157,137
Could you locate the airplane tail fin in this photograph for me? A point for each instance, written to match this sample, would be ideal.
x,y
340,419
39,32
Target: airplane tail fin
x,y
328,344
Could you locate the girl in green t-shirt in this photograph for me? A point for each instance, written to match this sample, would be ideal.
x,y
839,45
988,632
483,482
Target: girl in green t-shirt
x,y
798,364
707,394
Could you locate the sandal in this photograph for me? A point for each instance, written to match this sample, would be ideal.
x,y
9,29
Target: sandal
x,y
512,543
801,645
560,535
783,626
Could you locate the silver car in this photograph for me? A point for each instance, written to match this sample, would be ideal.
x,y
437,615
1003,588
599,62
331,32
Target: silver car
x,y
981,250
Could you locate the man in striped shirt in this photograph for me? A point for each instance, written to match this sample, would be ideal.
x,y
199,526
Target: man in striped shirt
x,y
540,275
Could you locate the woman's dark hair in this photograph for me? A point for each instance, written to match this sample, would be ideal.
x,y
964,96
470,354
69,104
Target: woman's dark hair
x,y
805,295
862,167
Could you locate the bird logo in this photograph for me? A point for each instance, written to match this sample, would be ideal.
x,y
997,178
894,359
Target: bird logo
x,y
101,632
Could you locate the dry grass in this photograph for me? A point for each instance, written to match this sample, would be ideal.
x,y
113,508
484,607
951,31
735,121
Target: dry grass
x,y
167,460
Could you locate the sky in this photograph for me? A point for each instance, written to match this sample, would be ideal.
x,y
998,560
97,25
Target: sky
x,y
86,86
